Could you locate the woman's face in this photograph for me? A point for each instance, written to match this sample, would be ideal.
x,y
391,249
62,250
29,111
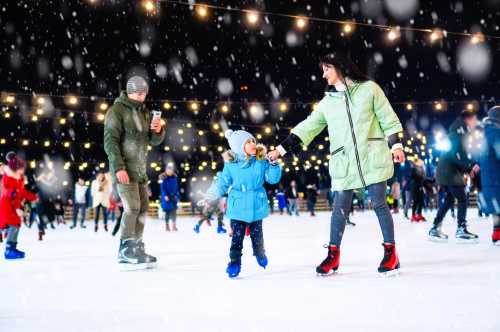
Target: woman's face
x,y
330,74
250,147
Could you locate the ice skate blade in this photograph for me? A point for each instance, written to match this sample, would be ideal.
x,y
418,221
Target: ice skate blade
x,y
126,267
151,265
436,239
465,241
496,244
325,275
389,274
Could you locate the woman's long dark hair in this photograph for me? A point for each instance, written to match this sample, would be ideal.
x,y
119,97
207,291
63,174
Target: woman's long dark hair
x,y
344,66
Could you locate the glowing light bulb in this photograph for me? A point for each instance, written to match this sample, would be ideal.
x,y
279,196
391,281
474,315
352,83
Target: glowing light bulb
x,y
283,107
301,22
167,105
103,106
201,11
348,28
393,34
252,17
436,35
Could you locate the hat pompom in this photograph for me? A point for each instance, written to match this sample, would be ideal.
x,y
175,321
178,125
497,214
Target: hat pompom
x,y
228,133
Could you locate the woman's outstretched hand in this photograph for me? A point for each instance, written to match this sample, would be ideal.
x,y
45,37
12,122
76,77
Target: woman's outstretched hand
x,y
398,156
273,155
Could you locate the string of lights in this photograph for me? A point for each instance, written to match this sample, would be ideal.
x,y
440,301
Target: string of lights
x,y
252,18
102,103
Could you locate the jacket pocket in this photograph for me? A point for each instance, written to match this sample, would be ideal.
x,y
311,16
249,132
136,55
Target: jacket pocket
x,y
379,155
339,164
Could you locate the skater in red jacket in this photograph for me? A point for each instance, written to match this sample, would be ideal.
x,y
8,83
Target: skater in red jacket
x,y
13,195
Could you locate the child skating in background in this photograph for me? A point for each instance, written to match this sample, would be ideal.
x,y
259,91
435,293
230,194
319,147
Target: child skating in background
x,y
245,170
170,197
11,202
211,208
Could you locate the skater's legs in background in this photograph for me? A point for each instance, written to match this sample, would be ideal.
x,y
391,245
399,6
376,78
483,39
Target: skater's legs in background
x,y
408,201
418,197
459,193
12,234
257,237
444,207
105,213
239,228
341,207
496,221
167,220
97,214
377,194
173,219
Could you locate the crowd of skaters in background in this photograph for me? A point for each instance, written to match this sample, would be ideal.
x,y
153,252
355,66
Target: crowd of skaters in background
x,y
416,187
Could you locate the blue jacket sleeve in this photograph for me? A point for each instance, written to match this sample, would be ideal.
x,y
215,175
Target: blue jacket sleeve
x,y
273,173
221,185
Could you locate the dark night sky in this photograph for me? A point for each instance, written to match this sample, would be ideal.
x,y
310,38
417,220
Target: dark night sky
x,y
60,47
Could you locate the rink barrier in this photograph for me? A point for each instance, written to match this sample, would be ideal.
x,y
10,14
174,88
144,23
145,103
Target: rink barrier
x,y
185,208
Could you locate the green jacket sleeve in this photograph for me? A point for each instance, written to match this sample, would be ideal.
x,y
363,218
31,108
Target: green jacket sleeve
x,y
113,129
311,127
156,139
387,118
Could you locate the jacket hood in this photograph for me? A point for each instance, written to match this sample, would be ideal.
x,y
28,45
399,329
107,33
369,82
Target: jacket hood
x,y
492,122
129,103
9,172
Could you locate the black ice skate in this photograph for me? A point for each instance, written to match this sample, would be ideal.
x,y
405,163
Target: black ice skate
x,y
145,260
435,235
349,223
127,257
463,236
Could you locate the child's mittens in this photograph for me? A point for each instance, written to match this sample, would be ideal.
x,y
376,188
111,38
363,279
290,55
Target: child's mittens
x,y
261,153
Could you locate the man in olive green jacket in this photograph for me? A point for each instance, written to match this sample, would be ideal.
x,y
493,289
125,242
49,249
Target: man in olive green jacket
x,y
129,129
360,123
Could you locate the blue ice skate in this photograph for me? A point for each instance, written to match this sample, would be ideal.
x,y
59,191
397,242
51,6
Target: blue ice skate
x,y
11,251
197,228
233,269
221,229
262,261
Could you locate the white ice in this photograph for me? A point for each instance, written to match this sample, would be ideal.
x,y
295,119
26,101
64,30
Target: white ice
x,y
71,282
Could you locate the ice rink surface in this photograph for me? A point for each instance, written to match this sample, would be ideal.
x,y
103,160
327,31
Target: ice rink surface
x,y
71,281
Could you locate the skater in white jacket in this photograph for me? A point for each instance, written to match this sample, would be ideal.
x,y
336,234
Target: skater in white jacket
x,y
101,193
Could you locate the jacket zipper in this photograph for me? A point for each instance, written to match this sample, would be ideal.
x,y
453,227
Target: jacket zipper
x,y
354,139
336,151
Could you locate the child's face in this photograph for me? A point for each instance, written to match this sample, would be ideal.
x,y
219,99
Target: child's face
x,y
250,147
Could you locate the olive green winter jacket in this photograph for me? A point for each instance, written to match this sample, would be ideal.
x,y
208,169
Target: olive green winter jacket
x,y
127,135
358,124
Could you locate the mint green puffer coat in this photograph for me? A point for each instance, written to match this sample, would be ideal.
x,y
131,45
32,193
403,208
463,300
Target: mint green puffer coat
x,y
358,124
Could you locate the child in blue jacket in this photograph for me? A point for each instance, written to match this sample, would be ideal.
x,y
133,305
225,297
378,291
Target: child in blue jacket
x,y
245,170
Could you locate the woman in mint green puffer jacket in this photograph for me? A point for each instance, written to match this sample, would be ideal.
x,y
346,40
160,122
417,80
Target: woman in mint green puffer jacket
x,y
360,121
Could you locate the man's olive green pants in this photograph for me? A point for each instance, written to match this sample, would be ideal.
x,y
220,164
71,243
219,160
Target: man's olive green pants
x,y
135,200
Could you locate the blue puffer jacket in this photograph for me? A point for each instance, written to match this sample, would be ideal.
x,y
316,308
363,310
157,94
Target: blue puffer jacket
x,y
169,188
490,168
244,181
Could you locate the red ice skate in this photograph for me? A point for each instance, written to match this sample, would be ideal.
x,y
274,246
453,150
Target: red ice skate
x,y
331,262
390,263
